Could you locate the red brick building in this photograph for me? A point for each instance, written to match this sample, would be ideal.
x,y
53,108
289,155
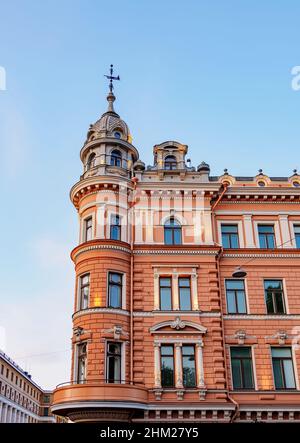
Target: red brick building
x,y
164,328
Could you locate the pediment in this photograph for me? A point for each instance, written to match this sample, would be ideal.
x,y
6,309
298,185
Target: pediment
x,y
178,325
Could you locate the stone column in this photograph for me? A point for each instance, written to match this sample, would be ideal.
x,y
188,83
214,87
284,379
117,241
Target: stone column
x,y
285,231
194,289
157,373
4,413
248,228
200,368
100,222
208,227
138,226
8,415
156,290
178,366
175,295
149,227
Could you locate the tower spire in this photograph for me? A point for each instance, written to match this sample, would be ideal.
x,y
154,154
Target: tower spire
x,y
111,97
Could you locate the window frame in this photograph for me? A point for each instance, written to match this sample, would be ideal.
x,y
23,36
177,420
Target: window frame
x,y
168,227
172,356
78,355
165,277
86,220
187,277
266,235
296,235
119,285
115,225
251,358
281,359
182,365
107,360
172,164
116,160
235,296
80,291
229,235
274,291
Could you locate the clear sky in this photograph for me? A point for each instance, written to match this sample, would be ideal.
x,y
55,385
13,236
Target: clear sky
x,y
215,75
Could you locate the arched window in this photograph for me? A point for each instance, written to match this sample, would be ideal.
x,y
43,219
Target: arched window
x,y
116,158
91,161
170,163
173,232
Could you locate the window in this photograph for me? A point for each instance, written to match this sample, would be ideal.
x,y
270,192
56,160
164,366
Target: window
x,y
46,399
297,235
115,283
170,163
81,362
2,369
115,227
165,293
84,291
113,359
184,289
230,236
7,373
274,296
167,365
88,229
188,366
236,297
12,376
172,232
241,364
116,158
46,412
117,134
283,369
266,236
91,161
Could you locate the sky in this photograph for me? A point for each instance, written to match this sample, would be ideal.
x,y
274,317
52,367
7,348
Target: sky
x,y
214,75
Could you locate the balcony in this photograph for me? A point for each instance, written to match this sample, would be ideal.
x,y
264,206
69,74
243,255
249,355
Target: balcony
x,y
95,400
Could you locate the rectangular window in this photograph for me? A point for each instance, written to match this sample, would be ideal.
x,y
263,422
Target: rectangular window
x,y
184,289
113,363
266,236
241,364
46,412
115,283
167,365
297,235
81,362
236,297
84,291
115,227
165,293
230,236
188,366
274,297
283,368
88,229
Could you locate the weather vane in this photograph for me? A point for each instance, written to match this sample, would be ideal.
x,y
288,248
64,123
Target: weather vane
x,y
111,78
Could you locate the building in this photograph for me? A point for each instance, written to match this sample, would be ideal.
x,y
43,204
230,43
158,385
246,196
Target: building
x,y
21,399
187,300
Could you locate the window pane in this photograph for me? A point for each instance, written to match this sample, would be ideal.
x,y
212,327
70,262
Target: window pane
x,y
277,374
241,302
189,371
177,236
281,352
279,303
289,374
236,374
115,233
231,302
167,350
165,282
266,229
115,296
247,373
273,284
240,352
262,241
168,236
116,278
234,240
165,299
229,228
184,282
185,299
269,303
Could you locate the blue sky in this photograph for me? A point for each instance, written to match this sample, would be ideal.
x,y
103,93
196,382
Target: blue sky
x,y
214,75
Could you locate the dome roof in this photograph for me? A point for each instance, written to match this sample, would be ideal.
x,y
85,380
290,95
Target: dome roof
x,y
109,125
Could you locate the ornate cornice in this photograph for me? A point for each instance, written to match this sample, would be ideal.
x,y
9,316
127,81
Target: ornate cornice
x,y
100,311
261,317
90,246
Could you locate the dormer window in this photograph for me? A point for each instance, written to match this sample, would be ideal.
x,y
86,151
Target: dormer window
x,y
170,163
91,161
116,158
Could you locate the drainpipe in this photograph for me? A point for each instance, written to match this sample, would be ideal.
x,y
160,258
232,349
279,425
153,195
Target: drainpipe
x,y
134,181
236,405
219,256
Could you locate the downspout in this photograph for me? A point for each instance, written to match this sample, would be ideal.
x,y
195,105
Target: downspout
x,y
219,256
134,180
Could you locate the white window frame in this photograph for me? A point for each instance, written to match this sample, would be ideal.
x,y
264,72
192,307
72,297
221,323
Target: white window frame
x,y
83,225
285,298
246,294
293,223
123,359
294,360
124,288
276,231
79,289
239,224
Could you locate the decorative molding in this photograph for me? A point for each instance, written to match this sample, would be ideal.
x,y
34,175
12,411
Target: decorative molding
x,y
172,313
260,255
176,251
261,317
99,311
178,324
94,247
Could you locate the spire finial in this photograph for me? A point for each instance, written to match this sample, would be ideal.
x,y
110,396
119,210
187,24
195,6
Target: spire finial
x,y
110,97
111,78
